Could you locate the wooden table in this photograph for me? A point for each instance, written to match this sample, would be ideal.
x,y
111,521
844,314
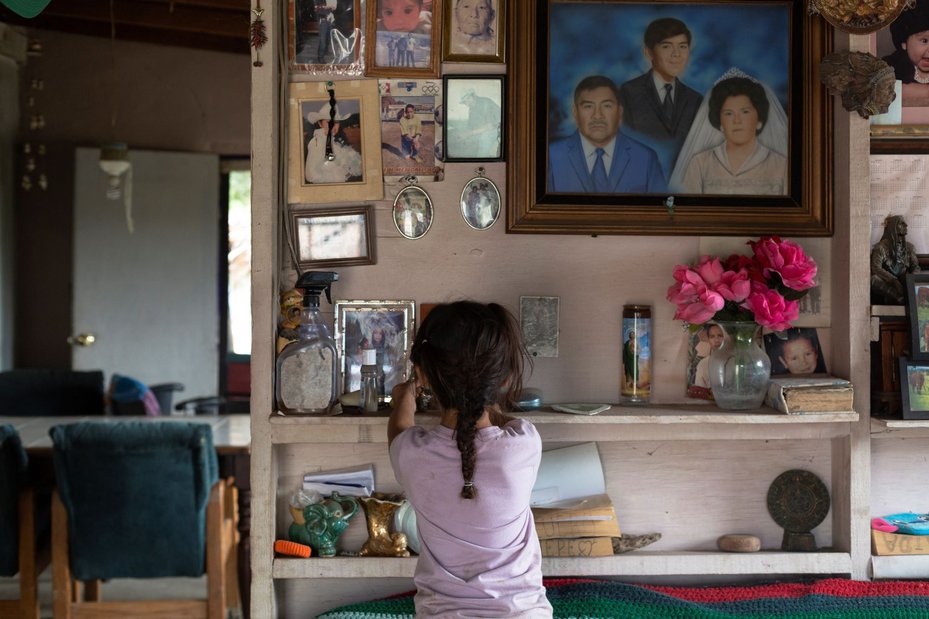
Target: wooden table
x,y
231,438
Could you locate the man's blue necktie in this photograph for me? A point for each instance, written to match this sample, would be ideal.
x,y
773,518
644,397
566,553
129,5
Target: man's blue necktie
x,y
667,106
601,184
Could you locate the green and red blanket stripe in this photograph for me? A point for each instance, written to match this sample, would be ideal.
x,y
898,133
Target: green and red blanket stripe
x,y
833,598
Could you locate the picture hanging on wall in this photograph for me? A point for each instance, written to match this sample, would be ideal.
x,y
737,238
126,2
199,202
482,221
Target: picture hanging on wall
x,y
668,177
384,326
474,121
538,317
412,211
480,201
411,128
334,154
917,307
475,31
334,236
403,38
324,36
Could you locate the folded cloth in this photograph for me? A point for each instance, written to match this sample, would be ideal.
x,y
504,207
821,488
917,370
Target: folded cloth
x,y
909,523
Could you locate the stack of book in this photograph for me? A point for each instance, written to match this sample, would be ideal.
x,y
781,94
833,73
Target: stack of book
x,y
795,395
358,481
582,527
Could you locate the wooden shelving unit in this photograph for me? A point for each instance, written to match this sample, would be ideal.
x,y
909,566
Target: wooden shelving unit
x,y
689,471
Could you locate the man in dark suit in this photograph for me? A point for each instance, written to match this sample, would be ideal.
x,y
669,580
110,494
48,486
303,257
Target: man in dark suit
x,y
658,106
598,158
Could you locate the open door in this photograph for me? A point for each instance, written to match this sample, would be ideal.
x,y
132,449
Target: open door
x,y
149,298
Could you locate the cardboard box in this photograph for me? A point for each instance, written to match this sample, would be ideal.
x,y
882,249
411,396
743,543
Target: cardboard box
x,y
577,547
897,544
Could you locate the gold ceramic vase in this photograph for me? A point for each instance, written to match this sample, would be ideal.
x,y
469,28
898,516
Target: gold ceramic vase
x,y
379,510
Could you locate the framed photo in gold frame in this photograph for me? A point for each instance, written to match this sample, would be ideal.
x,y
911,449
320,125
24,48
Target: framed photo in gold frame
x,y
334,152
403,42
546,66
475,31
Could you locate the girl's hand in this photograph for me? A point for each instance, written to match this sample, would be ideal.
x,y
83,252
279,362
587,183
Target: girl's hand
x,y
403,402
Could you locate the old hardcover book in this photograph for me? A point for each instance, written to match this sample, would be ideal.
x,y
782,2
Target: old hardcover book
x,y
812,394
577,547
591,516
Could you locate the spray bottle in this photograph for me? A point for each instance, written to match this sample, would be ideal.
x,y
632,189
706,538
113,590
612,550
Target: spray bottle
x,y
307,367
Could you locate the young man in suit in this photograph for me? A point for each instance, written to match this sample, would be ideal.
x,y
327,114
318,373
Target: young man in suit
x,y
598,158
657,105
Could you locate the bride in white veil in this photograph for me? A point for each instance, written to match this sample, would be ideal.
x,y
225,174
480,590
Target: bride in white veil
x,y
703,164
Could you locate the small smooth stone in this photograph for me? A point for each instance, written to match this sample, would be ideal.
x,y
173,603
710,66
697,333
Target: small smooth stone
x,y
737,542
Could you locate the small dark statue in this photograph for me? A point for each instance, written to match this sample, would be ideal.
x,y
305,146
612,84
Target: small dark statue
x,y
891,259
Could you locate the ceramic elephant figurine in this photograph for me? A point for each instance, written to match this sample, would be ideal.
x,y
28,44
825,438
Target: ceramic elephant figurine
x,y
323,523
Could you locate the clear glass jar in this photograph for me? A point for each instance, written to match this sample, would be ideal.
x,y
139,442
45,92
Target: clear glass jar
x,y
740,369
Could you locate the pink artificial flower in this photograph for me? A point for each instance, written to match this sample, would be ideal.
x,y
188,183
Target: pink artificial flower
x,y
787,259
696,301
770,308
734,285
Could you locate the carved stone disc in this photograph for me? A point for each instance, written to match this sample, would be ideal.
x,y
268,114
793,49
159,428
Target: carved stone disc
x,y
798,500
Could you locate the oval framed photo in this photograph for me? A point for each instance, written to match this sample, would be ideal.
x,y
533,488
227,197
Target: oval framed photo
x,y
413,212
480,202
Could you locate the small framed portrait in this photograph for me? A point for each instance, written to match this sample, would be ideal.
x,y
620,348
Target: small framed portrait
x,y
403,38
413,212
333,154
324,36
914,388
473,129
411,128
702,342
338,236
917,306
795,351
384,326
538,317
475,31
480,202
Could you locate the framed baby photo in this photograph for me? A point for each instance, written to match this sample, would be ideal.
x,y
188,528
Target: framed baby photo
x,y
384,326
333,236
475,31
474,117
324,36
917,309
333,151
795,351
914,388
411,129
628,127
403,38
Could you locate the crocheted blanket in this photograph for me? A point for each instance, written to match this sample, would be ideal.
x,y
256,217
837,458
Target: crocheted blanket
x,y
599,599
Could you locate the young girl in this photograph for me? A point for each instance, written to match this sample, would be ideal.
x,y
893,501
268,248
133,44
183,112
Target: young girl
x,y
469,479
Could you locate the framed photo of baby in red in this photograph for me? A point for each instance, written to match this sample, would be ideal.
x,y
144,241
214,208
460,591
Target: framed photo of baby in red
x,y
672,117
403,38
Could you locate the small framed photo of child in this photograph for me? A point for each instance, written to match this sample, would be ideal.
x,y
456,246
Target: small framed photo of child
x,y
795,351
710,336
403,38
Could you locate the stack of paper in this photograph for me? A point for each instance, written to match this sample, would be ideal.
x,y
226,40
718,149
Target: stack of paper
x,y
357,481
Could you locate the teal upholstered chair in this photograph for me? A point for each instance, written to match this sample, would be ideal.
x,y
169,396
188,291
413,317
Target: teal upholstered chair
x,y
141,500
19,530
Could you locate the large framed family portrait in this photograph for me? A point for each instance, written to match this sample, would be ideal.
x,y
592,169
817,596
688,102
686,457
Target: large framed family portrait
x,y
668,118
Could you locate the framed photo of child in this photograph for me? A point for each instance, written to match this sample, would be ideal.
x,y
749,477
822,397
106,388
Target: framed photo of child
x,y
403,38
795,351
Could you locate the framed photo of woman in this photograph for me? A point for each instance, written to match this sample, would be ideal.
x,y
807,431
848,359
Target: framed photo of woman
x,y
403,38
668,118
324,36
384,326
475,31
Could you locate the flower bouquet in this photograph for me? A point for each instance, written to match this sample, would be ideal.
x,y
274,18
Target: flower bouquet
x,y
742,293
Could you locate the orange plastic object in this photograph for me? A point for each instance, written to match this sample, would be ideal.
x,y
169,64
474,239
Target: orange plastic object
x,y
284,547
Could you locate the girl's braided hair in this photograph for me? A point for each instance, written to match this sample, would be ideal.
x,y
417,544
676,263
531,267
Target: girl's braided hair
x,y
472,357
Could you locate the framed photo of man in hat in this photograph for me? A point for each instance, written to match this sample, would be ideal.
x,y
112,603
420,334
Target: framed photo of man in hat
x,y
334,136
473,129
